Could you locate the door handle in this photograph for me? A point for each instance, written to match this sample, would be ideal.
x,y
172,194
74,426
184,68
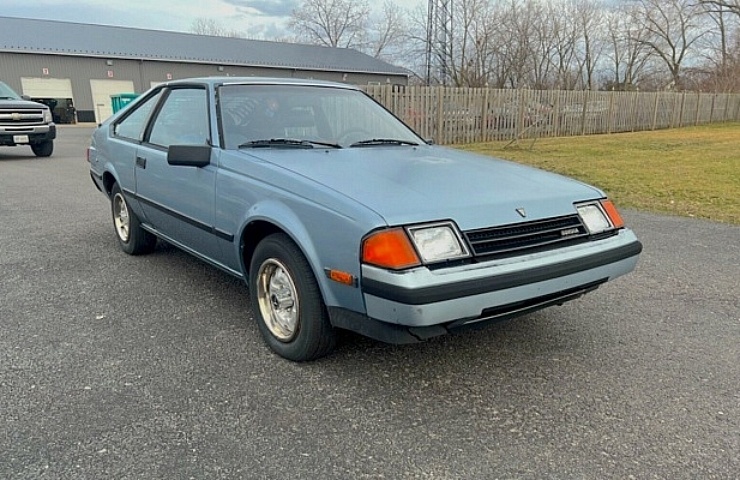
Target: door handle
x,y
140,162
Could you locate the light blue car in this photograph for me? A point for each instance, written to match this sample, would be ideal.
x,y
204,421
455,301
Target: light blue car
x,y
338,215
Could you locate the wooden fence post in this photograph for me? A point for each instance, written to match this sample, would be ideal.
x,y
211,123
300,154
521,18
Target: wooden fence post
x,y
483,116
610,113
655,110
698,104
556,115
727,107
583,112
440,114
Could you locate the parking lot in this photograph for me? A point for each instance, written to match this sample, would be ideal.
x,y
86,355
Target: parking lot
x,y
151,367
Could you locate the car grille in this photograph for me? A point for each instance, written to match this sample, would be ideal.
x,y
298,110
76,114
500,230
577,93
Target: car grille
x,y
520,238
21,117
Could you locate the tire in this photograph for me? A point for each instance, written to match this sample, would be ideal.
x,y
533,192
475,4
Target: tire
x,y
43,149
132,239
287,302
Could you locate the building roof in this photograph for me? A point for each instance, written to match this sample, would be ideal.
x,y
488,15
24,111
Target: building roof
x,y
22,35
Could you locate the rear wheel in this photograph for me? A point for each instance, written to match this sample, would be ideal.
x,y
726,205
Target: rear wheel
x,y
43,149
287,301
133,239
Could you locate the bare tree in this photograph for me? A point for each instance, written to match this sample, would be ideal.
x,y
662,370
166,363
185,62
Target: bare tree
x,y
462,54
673,27
211,27
333,23
720,52
566,44
589,19
627,50
523,43
565,36
468,59
731,6
387,34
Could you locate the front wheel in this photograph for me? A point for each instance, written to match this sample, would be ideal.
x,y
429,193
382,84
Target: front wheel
x,y
287,301
43,149
133,239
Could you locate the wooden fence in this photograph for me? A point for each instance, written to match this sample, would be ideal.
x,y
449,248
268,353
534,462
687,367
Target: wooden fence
x,y
465,115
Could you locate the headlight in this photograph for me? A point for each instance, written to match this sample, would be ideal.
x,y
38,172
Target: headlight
x,y
438,242
400,248
47,116
599,216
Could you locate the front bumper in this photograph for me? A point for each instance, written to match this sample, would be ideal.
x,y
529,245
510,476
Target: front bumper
x,y
35,134
478,292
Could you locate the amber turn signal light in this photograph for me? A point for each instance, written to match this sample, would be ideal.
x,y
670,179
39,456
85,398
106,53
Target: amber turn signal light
x,y
612,213
390,249
341,277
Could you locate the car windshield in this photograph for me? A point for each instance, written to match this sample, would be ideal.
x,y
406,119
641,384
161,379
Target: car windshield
x,y
7,93
299,116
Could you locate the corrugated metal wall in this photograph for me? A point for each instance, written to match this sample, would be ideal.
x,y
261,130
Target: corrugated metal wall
x,y
81,69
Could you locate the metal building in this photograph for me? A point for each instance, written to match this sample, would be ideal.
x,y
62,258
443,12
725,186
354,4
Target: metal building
x,y
76,68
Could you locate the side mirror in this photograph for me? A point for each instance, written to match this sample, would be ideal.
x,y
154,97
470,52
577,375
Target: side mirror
x,y
189,155
26,97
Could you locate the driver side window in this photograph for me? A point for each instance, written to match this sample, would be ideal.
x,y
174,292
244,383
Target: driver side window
x,y
182,120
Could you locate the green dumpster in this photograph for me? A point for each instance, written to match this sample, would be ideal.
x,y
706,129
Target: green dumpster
x,y
121,100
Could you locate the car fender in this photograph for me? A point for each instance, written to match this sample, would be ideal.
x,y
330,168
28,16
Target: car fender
x,y
282,216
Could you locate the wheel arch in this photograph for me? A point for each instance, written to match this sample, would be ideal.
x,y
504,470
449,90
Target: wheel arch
x,y
259,227
108,181
252,234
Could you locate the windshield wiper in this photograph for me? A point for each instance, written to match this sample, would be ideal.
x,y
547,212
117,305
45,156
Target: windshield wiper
x,y
382,141
286,143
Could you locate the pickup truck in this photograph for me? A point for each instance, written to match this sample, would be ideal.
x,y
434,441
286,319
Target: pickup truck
x,y
23,122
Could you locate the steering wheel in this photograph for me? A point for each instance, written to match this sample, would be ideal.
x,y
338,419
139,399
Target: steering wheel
x,y
353,135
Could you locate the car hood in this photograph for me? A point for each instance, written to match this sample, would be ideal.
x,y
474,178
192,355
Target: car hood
x,y
426,183
20,104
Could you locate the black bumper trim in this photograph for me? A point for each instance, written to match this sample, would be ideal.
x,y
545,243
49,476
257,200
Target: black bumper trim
x,y
440,293
382,331
6,138
403,334
97,180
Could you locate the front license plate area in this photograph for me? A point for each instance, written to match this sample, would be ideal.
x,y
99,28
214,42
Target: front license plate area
x,y
20,138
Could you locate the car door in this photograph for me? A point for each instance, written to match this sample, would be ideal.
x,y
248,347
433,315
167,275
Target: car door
x,y
179,201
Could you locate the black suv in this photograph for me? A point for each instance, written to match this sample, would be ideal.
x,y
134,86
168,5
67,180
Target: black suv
x,y
23,122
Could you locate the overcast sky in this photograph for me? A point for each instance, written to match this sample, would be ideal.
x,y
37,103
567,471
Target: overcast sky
x,y
256,18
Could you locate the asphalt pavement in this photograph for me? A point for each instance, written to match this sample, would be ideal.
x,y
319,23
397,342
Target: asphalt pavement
x,y
152,367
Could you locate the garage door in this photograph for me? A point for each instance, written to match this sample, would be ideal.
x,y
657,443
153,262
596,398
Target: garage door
x,y
47,87
101,93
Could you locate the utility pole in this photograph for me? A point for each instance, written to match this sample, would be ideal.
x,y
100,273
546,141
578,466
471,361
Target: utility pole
x,y
439,41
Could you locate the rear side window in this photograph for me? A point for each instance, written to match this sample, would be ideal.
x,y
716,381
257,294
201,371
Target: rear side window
x,y
132,125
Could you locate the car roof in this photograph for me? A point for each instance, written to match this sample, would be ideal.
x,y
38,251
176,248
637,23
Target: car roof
x,y
262,81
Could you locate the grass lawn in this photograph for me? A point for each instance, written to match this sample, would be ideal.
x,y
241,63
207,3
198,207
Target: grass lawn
x,y
693,171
